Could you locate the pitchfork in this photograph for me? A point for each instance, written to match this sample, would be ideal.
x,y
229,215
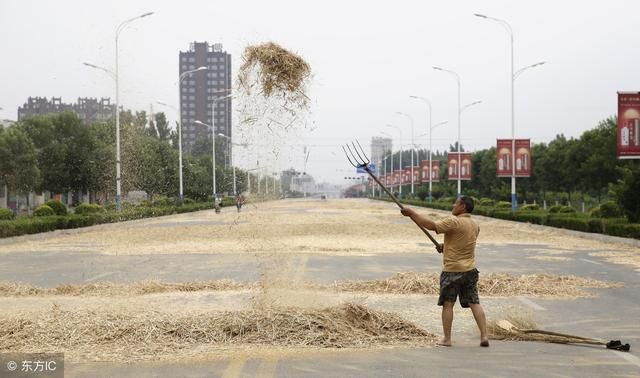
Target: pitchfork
x,y
362,161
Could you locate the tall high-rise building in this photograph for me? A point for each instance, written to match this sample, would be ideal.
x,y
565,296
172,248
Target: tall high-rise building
x,y
380,146
199,91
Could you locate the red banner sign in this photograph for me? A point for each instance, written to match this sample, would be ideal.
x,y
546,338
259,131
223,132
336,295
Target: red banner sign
x,y
504,158
463,170
628,125
416,175
435,171
397,177
406,176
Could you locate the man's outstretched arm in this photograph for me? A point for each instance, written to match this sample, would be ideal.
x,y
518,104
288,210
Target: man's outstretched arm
x,y
422,221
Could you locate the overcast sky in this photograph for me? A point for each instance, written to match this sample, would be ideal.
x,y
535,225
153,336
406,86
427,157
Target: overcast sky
x,y
367,57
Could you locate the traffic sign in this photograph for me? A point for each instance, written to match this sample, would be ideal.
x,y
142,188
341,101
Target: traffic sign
x,y
372,168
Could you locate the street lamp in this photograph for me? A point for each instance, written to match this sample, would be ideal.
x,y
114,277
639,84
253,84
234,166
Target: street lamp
x,y
180,78
430,149
213,139
400,148
213,155
428,103
231,160
390,153
412,147
118,178
114,75
457,77
514,75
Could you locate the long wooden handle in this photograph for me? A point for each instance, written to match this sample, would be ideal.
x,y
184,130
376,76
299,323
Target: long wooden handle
x,y
366,168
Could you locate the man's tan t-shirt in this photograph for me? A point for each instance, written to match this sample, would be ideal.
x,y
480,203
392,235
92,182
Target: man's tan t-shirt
x,y
460,234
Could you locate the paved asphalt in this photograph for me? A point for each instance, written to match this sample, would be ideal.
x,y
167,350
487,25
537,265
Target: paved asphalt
x,y
613,314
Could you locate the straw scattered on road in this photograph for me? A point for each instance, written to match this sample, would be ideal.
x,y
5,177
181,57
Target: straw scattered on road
x,y
130,336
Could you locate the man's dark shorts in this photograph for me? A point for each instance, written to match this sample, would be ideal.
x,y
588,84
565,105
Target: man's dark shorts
x,y
462,284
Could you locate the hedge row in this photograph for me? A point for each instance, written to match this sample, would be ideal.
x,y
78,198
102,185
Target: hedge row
x,y
570,221
34,225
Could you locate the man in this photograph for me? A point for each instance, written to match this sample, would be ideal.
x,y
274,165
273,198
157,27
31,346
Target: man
x,y
459,275
239,201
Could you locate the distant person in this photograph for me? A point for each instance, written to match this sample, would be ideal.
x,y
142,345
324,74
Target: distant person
x,y
217,204
239,201
459,277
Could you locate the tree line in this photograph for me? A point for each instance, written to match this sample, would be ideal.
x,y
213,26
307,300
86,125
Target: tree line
x,y
60,154
563,170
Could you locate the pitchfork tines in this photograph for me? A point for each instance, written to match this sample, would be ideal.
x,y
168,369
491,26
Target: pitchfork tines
x,y
358,155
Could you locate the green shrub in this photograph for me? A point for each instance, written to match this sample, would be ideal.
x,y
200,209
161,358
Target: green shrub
x,y
610,209
595,225
531,216
503,205
159,201
623,229
569,222
228,201
483,210
449,200
555,208
6,214
504,214
43,211
145,203
423,194
188,201
87,208
530,207
595,212
567,209
58,207
486,202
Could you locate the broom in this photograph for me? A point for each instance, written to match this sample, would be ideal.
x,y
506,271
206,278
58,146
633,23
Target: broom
x,y
504,329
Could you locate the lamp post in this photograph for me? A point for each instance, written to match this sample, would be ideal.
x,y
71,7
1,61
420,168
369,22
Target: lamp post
x,y
457,77
412,148
114,75
213,139
400,148
390,153
231,161
514,75
431,127
180,78
386,173
213,156
430,159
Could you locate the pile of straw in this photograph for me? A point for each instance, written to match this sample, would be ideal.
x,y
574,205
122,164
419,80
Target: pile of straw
x,y
148,333
18,289
275,71
492,284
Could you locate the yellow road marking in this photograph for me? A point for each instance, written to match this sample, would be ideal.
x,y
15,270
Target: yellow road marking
x,y
267,368
235,367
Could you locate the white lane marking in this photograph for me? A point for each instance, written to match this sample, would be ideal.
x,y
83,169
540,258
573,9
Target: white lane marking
x,y
629,357
531,304
591,261
101,275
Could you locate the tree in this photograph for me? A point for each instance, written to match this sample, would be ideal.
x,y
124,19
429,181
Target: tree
x,y
18,160
65,148
598,161
626,190
159,127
